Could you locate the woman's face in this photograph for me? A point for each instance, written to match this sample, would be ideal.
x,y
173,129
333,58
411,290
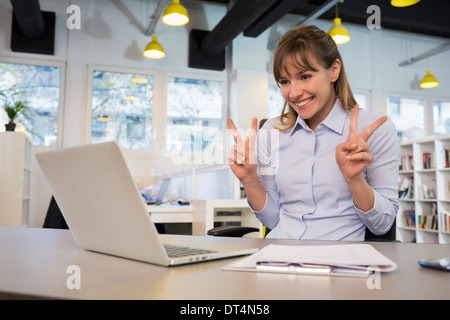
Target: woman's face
x,y
310,93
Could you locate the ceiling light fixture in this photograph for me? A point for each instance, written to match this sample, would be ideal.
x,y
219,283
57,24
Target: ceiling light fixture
x,y
403,3
338,32
175,14
429,81
154,49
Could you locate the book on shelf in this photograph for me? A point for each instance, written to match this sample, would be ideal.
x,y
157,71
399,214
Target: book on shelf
x,y
428,221
429,190
427,160
406,163
406,188
446,221
446,156
410,218
434,208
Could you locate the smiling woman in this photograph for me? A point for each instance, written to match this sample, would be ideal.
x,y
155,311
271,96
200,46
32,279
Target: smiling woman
x,y
294,56
326,169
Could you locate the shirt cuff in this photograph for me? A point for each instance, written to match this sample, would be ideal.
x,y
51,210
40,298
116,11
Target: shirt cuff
x,y
377,206
268,215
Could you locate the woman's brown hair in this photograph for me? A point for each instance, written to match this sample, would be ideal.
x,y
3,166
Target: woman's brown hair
x,y
295,47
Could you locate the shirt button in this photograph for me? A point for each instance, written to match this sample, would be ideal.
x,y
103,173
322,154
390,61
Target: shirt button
x,y
309,185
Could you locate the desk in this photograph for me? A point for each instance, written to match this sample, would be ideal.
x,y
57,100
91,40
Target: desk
x,y
167,213
34,262
202,214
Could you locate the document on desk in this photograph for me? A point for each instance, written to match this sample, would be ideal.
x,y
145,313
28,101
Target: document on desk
x,y
332,260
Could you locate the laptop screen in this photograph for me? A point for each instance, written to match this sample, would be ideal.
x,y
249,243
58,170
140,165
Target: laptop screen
x,y
162,190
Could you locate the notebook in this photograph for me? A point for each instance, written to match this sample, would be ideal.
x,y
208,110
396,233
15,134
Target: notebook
x,y
356,260
106,213
161,193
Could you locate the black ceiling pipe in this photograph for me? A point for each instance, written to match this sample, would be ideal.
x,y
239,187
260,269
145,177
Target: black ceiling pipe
x,y
29,17
240,17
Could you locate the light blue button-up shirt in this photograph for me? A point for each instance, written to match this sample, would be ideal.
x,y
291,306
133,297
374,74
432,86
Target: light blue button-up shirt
x,y
306,194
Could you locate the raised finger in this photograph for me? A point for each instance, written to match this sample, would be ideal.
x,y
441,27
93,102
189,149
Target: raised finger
x,y
252,135
371,129
237,137
354,119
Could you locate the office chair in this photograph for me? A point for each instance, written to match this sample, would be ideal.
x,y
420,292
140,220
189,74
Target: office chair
x,y
54,218
231,231
238,231
387,237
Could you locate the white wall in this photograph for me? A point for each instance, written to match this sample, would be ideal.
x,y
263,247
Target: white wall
x,y
111,38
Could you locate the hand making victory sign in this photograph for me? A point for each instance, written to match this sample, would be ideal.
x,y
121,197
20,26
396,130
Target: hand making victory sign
x,y
242,159
354,155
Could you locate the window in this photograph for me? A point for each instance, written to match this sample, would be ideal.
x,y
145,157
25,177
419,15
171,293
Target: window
x,y
122,109
441,116
361,100
275,101
194,113
406,113
40,87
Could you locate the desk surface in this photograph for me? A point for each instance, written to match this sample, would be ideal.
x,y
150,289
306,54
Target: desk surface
x,y
34,263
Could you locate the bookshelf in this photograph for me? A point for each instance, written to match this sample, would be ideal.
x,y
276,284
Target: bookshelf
x,y
424,191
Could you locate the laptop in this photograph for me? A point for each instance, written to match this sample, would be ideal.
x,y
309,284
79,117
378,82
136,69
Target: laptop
x,y
161,193
105,212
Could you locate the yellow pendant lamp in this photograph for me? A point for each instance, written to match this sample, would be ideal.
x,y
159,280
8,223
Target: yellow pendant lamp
x,y
175,14
429,81
403,3
154,49
338,32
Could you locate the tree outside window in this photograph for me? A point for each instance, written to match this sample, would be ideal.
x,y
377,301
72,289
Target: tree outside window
x,y
194,113
122,109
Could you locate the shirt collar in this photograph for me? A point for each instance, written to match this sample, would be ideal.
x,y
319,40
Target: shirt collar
x,y
336,118
334,121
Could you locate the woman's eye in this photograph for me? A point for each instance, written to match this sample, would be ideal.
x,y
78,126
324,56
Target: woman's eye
x,y
283,82
305,76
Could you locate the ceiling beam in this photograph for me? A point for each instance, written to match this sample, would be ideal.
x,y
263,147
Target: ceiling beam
x,y
154,19
319,11
239,17
272,43
271,16
443,47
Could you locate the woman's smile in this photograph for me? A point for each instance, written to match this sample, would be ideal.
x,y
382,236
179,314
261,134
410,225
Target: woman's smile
x,y
303,104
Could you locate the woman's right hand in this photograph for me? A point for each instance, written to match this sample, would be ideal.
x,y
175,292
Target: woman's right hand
x,y
242,159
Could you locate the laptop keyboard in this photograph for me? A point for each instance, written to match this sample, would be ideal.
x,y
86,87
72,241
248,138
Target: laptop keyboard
x,y
177,251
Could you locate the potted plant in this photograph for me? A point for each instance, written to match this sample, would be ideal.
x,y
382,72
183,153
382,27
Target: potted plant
x,y
13,108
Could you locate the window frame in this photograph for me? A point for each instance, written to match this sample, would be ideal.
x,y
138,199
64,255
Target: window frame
x,y
156,98
426,109
432,99
207,77
159,112
368,93
271,82
62,80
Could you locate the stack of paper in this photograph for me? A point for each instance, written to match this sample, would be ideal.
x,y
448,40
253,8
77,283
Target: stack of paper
x,y
346,259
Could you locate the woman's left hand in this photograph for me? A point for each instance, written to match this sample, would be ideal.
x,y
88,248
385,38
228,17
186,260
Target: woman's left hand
x,y
354,155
